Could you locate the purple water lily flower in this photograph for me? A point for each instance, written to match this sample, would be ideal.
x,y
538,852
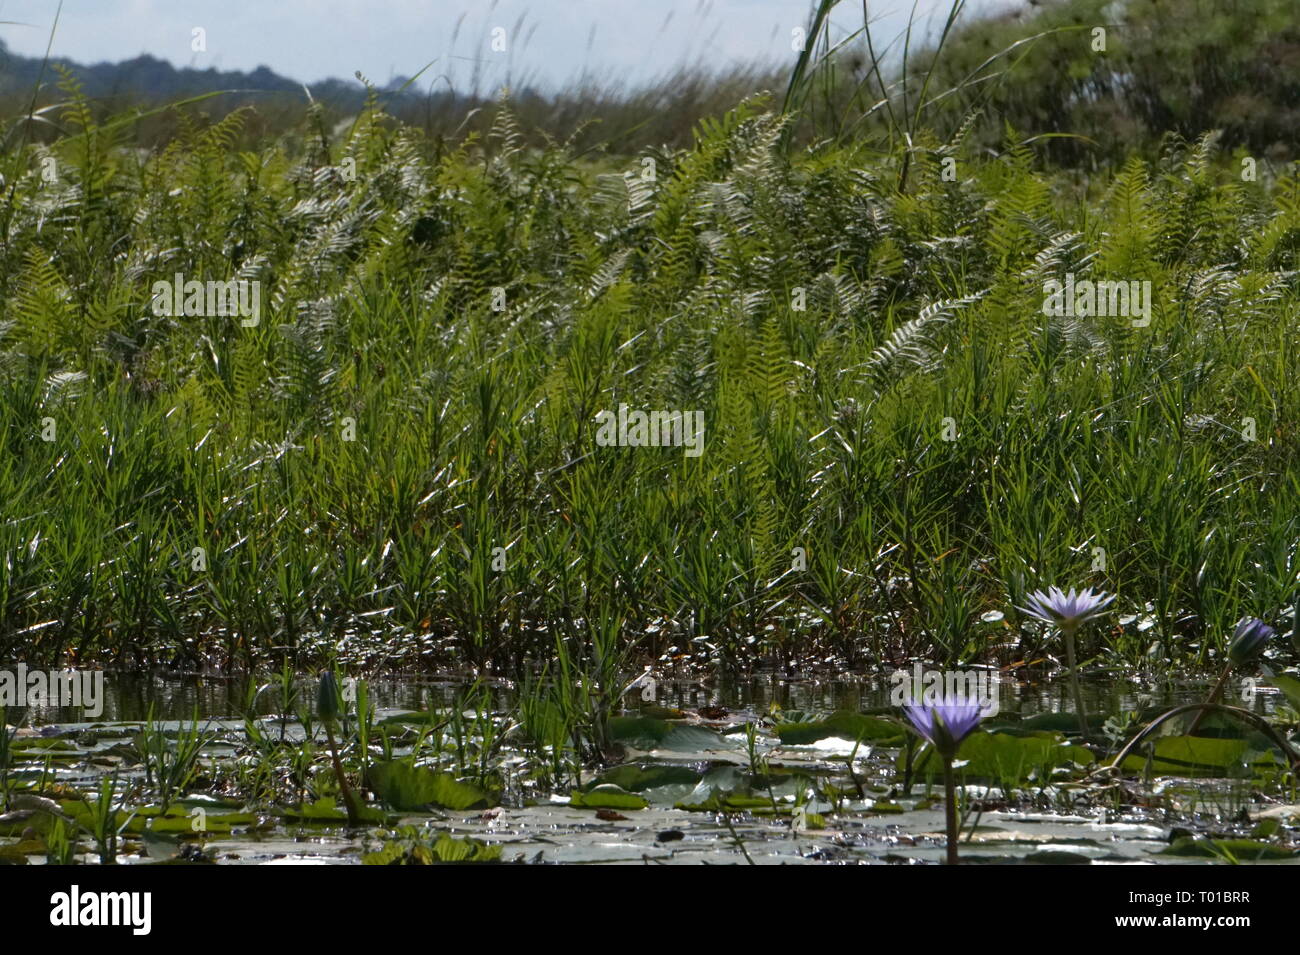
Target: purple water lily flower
x,y
946,723
1247,643
1066,610
1248,640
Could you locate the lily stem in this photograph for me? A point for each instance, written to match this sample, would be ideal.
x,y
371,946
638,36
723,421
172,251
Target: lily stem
x,y
349,800
1212,698
950,806
1074,680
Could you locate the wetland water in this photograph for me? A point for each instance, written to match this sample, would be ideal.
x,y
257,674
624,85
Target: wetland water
x,y
762,770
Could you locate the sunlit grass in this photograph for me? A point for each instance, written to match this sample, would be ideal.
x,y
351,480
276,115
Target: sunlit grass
x,y
397,463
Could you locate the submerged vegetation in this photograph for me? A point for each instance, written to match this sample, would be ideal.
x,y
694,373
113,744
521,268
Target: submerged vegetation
x,y
571,424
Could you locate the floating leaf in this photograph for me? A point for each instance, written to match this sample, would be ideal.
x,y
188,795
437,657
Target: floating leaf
x,y
410,788
886,807
1057,857
1049,723
465,850
212,822
326,809
844,724
12,855
635,778
409,848
647,733
999,757
1199,756
663,712
722,801
606,796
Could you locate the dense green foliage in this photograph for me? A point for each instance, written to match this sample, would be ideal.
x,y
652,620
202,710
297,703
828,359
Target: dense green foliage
x,y
1160,66
128,439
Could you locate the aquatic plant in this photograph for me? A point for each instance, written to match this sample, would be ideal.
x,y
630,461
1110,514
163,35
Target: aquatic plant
x,y
759,768
546,727
170,766
6,758
411,845
61,842
820,308
1254,720
104,819
365,711
1248,642
286,685
328,709
1027,763
382,300
476,738
944,725
1068,612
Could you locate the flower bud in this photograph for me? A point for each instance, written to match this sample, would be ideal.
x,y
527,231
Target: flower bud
x,y
1248,641
327,697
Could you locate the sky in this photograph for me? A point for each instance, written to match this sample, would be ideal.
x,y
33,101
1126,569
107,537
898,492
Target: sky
x,y
547,43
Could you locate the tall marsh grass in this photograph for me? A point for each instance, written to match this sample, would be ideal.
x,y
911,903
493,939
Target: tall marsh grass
x,y
397,464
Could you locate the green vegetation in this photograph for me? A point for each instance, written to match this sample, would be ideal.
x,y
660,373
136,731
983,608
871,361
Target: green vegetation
x,y
397,457
470,781
1159,67
862,329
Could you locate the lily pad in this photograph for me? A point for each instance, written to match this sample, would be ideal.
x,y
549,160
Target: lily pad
x,y
648,733
212,822
416,851
636,778
607,796
1050,723
720,800
1199,756
844,724
999,757
408,788
327,809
